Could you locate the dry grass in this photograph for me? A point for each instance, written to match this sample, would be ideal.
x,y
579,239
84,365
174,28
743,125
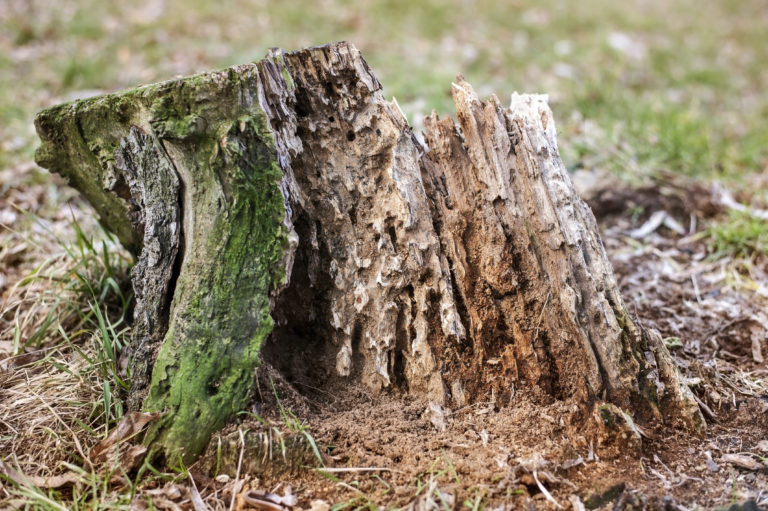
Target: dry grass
x,y
59,388
45,405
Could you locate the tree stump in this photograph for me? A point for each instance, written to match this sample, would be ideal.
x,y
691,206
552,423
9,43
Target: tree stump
x,y
285,210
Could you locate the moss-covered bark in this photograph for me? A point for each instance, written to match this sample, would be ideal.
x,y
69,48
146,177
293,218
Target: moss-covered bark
x,y
221,307
185,173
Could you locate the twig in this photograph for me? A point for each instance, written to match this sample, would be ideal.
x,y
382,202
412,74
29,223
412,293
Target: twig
x,y
545,492
197,500
340,470
239,465
704,408
660,476
686,479
696,288
350,487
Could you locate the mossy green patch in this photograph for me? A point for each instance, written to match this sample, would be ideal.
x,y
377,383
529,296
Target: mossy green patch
x,y
216,137
79,137
207,378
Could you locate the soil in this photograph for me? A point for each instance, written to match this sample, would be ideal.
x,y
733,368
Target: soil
x,y
487,452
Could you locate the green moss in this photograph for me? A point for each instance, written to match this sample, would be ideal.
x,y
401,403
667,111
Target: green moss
x,y
169,122
205,380
233,235
78,143
607,415
79,137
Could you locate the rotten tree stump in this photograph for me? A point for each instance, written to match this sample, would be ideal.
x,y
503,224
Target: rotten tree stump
x,y
284,209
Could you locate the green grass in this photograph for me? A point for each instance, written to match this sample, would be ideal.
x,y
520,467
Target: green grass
x,y
87,281
742,235
293,424
79,321
673,85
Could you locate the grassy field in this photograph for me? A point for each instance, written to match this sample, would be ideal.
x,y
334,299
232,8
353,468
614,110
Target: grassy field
x,y
635,86
638,89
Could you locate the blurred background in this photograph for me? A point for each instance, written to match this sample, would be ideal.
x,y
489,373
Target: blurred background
x,y
637,87
680,84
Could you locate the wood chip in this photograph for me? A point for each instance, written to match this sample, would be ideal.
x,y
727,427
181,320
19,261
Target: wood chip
x,y
711,465
436,416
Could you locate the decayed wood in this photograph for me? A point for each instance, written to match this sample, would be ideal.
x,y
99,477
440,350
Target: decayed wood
x,y
368,290
292,191
155,191
468,269
540,301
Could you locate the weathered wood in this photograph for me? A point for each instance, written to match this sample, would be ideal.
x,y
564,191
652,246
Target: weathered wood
x,y
292,191
368,279
185,172
540,302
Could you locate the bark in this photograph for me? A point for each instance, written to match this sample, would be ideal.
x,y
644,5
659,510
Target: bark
x,y
185,173
286,207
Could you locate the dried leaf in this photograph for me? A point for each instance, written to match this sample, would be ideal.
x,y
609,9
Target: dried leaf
x,y
55,481
28,356
8,471
132,457
131,424
742,461
41,482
